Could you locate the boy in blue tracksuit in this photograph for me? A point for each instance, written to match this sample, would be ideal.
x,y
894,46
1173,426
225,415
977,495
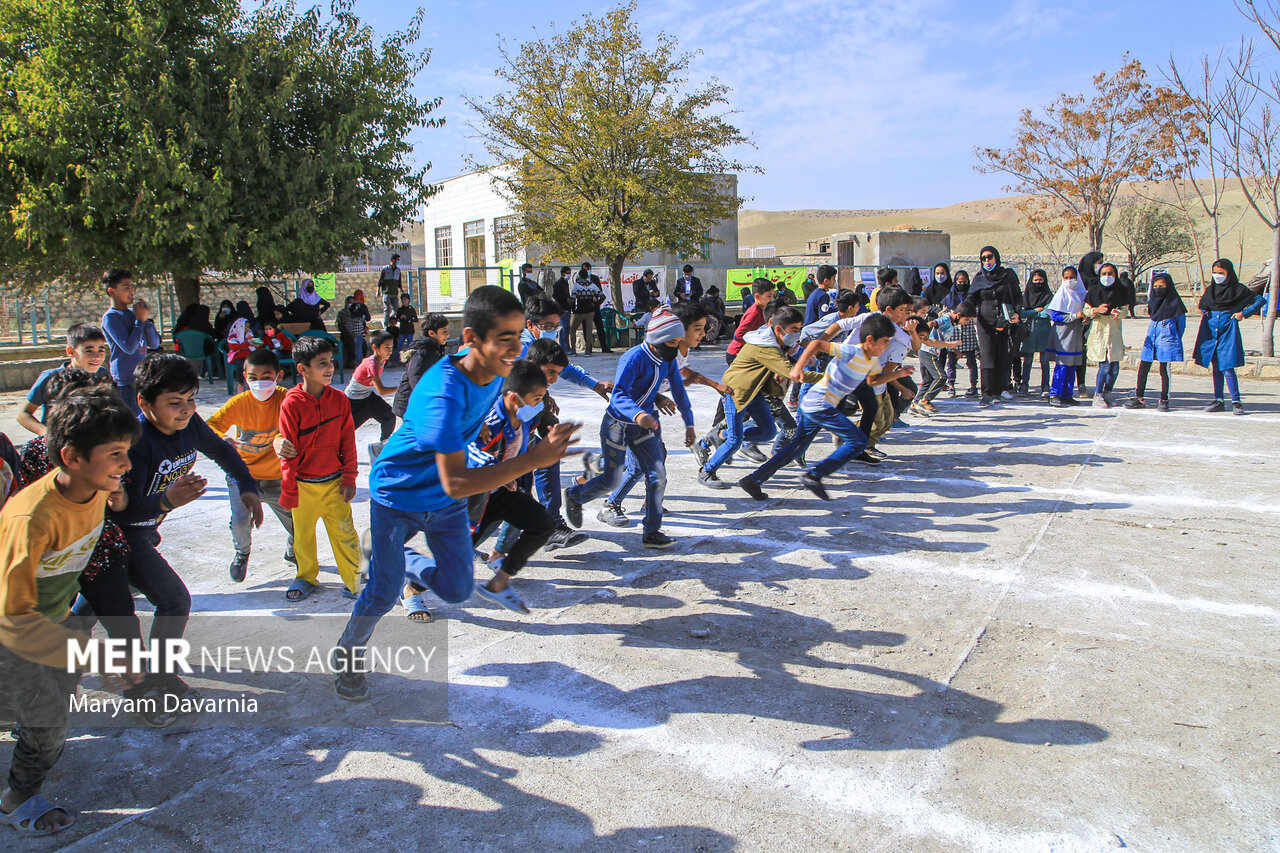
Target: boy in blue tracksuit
x,y
631,423
542,317
130,332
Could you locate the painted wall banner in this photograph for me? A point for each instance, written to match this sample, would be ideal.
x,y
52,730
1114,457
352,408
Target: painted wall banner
x,y
446,283
629,277
326,285
926,275
869,278
742,277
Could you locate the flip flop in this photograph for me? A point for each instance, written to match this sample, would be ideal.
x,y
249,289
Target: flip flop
x,y
24,817
507,598
303,588
413,605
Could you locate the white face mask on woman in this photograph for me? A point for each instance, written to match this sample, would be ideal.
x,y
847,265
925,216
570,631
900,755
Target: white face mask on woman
x,y
1107,280
1219,278
941,277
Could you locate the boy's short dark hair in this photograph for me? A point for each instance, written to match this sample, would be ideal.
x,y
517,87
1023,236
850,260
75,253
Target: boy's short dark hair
x,y
918,302
965,309
648,272
547,351
713,289
763,285
876,326
892,297
772,306
540,308
165,373
309,347
886,276
651,304
745,290
71,379
528,267
81,333
564,270
263,358
379,338
687,268
86,418
433,321
847,299
825,271
786,315
485,305
688,312
114,276
405,296
525,378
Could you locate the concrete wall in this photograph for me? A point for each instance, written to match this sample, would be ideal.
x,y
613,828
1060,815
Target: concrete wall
x,y
891,248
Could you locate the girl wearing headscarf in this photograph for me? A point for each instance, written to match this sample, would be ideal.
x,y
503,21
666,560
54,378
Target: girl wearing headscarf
x,y
1088,273
308,307
1163,343
243,310
226,313
940,286
1218,344
1104,305
266,307
1039,331
1067,314
995,292
913,284
968,350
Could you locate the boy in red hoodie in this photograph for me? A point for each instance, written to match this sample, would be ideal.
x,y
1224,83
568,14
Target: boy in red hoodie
x,y
320,480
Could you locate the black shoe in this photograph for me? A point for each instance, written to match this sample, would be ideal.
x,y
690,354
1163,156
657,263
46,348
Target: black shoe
x,y
291,558
1044,393
877,452
657,539
564,537
972,392
1164,406
352,686
612,515
814,485
753,453
711,481
985,402
1237,408
1215,406
239,567
1056,402
572,510
1071,401
866,459
1135,403
752,488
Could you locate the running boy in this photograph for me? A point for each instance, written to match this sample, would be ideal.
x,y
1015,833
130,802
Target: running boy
x,y
421,480
47,532
255,415
944,335
129,331
429,349
87,350
318,480
365,392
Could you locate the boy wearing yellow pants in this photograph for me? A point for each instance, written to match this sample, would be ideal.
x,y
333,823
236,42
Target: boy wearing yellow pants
x,y
319,481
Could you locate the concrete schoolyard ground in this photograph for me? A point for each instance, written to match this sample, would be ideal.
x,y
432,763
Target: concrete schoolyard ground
x,y
1029,629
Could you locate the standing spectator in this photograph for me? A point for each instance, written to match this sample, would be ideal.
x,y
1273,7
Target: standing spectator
x,y
389,284
688,286
129,330
527,288
562,292
1131,292
809,286
587,299
358,319
645,288
822,299
995,292
406,326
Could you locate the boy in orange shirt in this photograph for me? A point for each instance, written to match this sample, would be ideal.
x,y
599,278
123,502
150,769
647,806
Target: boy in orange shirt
x,y
319,481
255,414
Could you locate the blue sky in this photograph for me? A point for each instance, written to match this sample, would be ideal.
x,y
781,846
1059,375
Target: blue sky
x,y
851,104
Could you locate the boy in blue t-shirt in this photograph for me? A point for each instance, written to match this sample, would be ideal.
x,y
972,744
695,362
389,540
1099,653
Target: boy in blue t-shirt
x,y
87,350
420,481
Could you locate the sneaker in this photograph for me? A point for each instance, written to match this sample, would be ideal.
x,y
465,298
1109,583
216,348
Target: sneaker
x,y
1215,406
1071,401
1237,408
814,485
711,481
877,452
1006,395
866,458
1164,406
613,515
657,539
1100,402
352,686
572,510
701,452
564,537
1135,403
290,557
592,464
1044,393
239,567
375,450
984,403
929,408
1057,403
1021,391
752,488
753,453
972,392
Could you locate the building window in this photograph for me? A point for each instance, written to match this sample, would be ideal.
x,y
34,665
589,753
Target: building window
x,y
504,237
704,250
473,229
444,246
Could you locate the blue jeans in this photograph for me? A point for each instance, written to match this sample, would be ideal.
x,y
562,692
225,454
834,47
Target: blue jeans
x,y
566,340
616,438
360,346
853,442
1229,376
762,428
634,475
450,575
1108,371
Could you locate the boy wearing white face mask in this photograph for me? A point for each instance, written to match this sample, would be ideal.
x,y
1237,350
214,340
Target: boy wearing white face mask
x,y
255,415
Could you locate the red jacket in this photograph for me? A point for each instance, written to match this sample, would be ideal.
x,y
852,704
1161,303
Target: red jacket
x,y
751,320
323,433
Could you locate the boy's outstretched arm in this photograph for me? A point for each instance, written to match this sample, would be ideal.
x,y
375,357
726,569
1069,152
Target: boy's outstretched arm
x,y
459,481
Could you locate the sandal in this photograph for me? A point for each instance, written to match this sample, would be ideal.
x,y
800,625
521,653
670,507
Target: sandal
x,y
507,598
24,817
415,607
300,589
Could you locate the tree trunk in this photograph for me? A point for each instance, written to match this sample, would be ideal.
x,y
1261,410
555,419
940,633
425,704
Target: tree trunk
x,y
1095,237
187,289
1269,323
615,280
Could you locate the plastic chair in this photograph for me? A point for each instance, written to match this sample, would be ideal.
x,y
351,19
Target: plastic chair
x,y
337,359
230,368
611,326
191,343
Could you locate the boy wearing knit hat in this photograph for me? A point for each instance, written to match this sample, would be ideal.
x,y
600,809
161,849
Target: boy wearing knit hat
x,y
631,423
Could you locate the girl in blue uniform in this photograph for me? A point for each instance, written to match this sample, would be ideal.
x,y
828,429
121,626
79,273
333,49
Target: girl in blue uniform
x,y
1163,343
1218,344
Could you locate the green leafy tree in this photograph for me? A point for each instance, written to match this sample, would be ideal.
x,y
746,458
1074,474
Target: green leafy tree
x,y
179,136
604,148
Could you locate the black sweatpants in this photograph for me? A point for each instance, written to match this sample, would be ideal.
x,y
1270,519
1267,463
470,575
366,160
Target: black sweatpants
x,y
374,408
522,511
